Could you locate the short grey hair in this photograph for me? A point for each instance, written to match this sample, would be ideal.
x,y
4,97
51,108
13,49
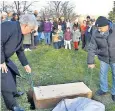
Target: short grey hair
x,y
4,14
28,19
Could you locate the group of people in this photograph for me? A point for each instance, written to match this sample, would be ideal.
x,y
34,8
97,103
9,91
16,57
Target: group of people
x,y
63,33
60,32
100,42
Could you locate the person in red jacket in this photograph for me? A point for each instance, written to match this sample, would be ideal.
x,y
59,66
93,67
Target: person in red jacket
x,y
67,38
83,29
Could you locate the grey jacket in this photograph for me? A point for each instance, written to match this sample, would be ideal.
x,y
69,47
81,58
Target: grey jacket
x,y
76,35
103,46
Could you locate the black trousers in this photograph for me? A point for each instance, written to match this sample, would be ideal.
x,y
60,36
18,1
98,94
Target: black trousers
x,y
14,77
9,99
83,41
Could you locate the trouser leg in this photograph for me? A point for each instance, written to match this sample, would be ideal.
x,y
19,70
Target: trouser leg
x,y
9,99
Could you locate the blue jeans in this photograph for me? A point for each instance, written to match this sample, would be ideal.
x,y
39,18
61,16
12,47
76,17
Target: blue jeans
x,y
39,36
47,37
56,45
61,43
104,77
35,40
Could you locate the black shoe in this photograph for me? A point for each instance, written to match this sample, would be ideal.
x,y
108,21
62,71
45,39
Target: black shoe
x,y
113,97
18,94
16,108
76,49
100,92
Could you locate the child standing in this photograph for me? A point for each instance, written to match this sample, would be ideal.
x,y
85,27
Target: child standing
x,y
60,33
55,38
68,38
76,35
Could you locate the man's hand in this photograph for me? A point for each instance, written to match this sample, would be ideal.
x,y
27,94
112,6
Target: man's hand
x,y
91,66
27,69
4,68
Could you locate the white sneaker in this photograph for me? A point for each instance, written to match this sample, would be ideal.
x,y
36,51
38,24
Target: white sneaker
x,y
28,49
25,49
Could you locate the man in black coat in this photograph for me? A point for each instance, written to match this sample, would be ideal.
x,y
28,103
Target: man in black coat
x,y
12,42
103,44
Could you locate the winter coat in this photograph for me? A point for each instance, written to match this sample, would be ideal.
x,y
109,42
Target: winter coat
x,y
11,42
47,27
68,36
103,46
76,35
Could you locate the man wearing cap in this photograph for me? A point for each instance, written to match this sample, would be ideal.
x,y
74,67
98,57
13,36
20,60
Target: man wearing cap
x,y
12,42
103,44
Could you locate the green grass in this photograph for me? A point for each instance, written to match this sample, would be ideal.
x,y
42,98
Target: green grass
x,y
51,66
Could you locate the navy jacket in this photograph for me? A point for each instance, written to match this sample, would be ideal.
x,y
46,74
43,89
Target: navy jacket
x,y
11,42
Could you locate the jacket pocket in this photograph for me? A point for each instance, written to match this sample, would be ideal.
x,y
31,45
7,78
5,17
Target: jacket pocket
x,y
103,52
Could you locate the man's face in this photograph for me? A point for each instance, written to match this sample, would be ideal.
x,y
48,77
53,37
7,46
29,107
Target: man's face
x,y
16,17
4,17
90,24
46,19
75,28
9,14
59,27
57,19
26,29
88,19
84,22
68,30
103,29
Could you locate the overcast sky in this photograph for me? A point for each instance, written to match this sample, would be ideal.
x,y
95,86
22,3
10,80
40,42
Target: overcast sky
x,y
93,7
86,7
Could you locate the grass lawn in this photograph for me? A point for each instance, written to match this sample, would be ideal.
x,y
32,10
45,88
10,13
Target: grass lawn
x,y
51,66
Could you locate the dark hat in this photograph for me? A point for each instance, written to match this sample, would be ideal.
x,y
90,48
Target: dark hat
x,y
101,21
14,14
88,17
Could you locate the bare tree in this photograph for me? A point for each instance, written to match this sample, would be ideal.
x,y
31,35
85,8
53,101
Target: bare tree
x,y
58,9
17,6
23,5
55,6
6,7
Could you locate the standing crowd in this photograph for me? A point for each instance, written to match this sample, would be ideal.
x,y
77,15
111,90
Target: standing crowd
x,y
28,31
57,31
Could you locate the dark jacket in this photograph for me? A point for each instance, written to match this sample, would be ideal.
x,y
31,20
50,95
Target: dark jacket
x,y
63,24
41,26
12,19
55,25
11,42
103,46
88,34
